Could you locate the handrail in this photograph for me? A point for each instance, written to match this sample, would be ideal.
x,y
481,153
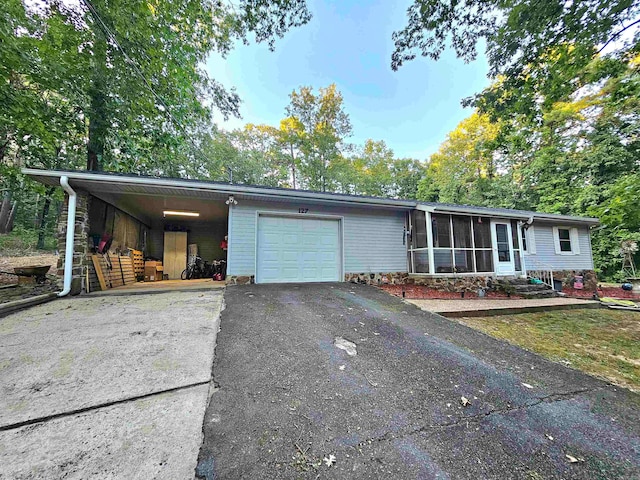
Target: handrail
x,y
541,271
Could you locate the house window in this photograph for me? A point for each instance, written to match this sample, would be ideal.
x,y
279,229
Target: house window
x,y
523,231
502,242
564,236
566,240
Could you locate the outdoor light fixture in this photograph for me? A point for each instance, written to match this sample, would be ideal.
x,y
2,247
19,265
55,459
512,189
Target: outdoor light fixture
x,y
231,201
181,213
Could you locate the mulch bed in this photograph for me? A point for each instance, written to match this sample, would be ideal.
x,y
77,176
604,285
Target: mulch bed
x,y
614,292
417,292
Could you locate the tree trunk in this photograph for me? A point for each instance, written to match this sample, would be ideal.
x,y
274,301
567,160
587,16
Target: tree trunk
x,y
293,167
42,221
98,115
7,212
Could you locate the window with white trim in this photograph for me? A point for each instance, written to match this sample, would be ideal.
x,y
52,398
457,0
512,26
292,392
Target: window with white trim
x,y
566,240
564,237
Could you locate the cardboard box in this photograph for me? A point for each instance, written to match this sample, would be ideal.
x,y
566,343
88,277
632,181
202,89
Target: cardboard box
x,y
152,263
153,274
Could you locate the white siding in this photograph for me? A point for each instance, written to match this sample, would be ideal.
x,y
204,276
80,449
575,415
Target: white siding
x,y
546,251
372,237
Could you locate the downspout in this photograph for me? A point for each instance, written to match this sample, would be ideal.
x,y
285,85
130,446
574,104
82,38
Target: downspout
x,y
71,230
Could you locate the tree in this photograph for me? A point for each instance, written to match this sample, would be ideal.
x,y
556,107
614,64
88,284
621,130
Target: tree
x,y
290,138
464,167
531,46
324,127
120,83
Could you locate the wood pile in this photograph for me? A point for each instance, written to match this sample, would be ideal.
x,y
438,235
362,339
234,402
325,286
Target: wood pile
x,y
110,271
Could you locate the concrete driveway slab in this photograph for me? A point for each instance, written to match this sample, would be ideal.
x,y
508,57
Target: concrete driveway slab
x,y
156,437
423,397
80,369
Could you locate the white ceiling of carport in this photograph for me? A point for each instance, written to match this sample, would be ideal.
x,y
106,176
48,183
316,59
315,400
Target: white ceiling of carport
x,y
149,208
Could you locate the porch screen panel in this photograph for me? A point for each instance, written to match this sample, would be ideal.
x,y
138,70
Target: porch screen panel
x,y
418,251
483,249
441,231
462,232
419,226
421,261
484,261
464,261
443,260
482,232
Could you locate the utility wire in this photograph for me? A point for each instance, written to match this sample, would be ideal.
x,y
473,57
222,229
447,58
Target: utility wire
x,y
111,36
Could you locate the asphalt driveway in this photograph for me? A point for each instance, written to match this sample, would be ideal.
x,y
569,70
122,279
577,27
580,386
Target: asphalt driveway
x,y
289,401
106,387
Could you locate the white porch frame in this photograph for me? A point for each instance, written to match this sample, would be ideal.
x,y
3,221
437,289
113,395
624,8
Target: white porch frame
x,y
430,248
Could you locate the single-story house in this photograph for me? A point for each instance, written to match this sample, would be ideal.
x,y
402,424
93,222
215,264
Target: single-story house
x,y
285,235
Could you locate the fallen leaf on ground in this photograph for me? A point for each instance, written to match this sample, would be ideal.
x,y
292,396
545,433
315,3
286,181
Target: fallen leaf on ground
x,y
573,459
329,461
341,367
548,436
464,401
527,385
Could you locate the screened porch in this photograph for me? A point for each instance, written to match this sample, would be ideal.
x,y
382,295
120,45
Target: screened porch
x,y
447,244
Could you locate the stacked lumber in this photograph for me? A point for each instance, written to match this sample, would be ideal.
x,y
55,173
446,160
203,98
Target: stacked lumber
x,y
112,271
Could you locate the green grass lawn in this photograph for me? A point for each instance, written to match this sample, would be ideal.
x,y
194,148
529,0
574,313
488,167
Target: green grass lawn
x,y
601,342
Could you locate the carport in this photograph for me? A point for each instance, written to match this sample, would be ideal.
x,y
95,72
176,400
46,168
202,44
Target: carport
x,y
141,214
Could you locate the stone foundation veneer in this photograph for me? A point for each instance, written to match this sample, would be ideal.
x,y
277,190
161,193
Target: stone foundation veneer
x,y
389,278
590,279
446,284
467,283
239,279
81,254
470,283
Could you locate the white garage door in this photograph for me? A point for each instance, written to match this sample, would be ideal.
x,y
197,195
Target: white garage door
x,y
298,250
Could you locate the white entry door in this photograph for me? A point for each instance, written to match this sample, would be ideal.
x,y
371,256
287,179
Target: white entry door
x,y
502,248
298,249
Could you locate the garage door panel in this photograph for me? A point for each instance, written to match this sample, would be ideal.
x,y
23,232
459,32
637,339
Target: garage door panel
x,y
298,250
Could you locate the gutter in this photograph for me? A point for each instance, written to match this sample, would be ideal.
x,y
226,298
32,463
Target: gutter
x,y
71,230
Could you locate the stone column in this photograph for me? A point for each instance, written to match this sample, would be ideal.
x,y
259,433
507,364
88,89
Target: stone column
x,y
81,254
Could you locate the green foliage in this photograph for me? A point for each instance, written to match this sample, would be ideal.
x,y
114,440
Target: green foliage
x,y
531,46
578,157
323,126
116,85
23,240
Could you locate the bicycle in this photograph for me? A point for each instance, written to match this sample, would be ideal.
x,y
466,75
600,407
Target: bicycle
x,y
193,270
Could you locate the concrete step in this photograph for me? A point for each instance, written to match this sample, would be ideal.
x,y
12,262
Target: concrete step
x,y
539,294
522,287
530,287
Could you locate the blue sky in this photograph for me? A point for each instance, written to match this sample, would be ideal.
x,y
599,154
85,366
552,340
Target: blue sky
x,y
348,42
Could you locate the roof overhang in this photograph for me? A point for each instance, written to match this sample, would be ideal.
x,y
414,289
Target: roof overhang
x,y
131,184
506,213
113,183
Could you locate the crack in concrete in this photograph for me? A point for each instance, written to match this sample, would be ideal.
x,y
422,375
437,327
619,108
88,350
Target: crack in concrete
x,y
553,397
77,411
